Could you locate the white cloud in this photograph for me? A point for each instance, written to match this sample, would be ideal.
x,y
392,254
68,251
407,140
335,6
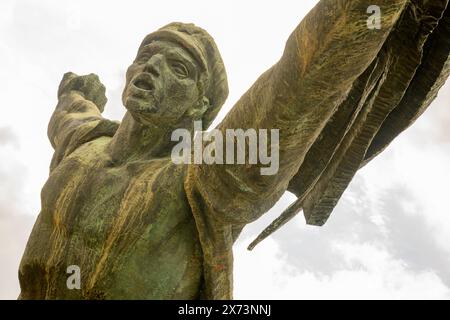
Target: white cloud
x,y
15,225
370,273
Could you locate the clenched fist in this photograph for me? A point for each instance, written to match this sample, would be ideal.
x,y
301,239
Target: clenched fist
x,y
89,86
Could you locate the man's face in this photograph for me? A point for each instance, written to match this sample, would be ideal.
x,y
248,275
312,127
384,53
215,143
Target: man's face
x,y
161,84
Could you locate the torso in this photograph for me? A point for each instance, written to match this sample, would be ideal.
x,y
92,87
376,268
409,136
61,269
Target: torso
x,y
129,228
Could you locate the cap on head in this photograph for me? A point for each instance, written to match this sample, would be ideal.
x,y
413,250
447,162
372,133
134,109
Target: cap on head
x,y
204,50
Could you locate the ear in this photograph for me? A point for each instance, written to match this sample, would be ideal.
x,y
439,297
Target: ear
x,y
197,111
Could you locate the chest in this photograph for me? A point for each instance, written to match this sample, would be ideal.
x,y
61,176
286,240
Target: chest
x,y
125,226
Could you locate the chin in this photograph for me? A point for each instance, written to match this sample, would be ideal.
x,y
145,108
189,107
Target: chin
x,y
142,113
137,104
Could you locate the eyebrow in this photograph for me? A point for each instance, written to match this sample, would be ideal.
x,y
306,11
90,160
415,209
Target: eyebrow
x,y
177,54
174,51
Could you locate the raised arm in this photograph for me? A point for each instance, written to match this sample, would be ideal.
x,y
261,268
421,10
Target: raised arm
x,y
77,118
323,57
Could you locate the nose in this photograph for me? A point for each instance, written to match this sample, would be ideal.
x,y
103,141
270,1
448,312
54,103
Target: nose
x,y
154,64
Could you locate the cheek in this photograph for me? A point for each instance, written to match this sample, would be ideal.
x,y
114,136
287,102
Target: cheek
x,y
191,92
179,100
183,94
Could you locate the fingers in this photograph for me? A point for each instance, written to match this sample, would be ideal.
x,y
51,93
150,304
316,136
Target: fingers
x,y
88,85
92,89
68,76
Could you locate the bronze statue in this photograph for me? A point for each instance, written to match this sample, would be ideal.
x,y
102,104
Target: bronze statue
x,y
139,226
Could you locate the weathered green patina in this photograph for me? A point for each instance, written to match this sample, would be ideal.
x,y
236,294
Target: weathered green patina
x,y
141,227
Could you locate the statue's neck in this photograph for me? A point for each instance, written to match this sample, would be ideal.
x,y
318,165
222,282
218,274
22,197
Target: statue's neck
x,y
134,141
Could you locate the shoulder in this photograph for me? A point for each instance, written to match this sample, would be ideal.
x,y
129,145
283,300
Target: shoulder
x,y
89,141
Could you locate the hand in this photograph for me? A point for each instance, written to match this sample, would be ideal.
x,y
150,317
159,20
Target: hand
x,y
88,85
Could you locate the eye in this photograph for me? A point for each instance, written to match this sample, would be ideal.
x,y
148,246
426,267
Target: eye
x,y
180,69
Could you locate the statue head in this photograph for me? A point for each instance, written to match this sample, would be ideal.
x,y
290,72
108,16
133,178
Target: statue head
x,y
178,77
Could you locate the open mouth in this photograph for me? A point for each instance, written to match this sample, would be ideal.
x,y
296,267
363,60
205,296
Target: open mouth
x,y
144,82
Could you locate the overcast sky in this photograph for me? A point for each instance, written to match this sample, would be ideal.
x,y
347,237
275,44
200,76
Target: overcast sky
x,y
389,237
